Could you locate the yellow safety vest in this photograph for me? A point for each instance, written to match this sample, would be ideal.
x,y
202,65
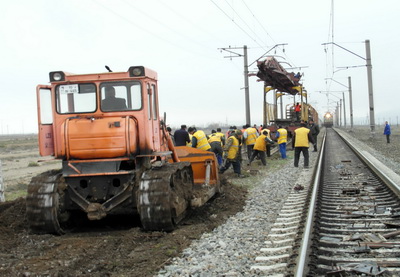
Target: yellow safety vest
x,y
214,137
190,142
301,137
221,135
282,136
251,135
233,150
202,142
269,133
261,144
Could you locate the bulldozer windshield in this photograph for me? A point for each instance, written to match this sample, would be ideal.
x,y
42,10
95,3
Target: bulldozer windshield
x,y
82,98
76,98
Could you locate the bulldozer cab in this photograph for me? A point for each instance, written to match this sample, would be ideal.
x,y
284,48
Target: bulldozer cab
x,y
91,110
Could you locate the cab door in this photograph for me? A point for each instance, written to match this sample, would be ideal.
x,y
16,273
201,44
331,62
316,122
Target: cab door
x,y
45,120
153,115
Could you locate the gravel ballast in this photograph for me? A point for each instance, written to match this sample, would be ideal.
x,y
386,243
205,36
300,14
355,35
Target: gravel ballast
x,y
231,249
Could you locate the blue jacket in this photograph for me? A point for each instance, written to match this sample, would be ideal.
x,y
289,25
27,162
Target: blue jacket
x,y
387,130
181,137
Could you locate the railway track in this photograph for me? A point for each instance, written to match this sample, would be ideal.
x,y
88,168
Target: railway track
x,y
346,222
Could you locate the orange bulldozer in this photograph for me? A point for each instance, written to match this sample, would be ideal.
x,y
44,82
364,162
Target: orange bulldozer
x,y
117,157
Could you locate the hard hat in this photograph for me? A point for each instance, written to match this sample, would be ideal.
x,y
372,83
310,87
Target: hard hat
x,y
238,132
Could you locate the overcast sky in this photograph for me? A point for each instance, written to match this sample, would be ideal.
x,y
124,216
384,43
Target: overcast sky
x,y
181,40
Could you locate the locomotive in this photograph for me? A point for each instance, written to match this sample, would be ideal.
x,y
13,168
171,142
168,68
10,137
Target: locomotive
x,y
328,120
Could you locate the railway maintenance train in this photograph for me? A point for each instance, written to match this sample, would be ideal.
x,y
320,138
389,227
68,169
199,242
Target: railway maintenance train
x,y
117,157
282,83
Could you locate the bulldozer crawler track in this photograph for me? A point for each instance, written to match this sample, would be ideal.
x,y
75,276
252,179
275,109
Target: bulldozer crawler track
x,y
164,196
43,203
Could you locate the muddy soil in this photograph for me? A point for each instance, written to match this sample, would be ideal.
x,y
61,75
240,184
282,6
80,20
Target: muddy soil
x,y
115,247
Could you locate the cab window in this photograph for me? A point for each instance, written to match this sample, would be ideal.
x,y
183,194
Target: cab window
x,y
120,96
76,98
155,108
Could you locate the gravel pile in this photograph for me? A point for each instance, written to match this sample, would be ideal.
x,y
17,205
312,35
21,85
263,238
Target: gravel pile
x,y
231,249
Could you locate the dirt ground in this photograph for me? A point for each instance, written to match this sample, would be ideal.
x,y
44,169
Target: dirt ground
x,y
20,161
115,247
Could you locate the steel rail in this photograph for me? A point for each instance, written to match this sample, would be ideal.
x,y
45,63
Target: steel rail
x,y
306,238
384,173
392,180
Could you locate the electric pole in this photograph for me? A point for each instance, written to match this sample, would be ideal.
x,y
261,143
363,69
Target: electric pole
x,y
370,89
246,76
351,104
369,76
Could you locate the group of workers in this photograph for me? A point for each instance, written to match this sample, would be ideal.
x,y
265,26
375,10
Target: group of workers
x,y
258,141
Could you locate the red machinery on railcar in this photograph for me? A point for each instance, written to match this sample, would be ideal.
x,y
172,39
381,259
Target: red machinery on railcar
x,y
281,83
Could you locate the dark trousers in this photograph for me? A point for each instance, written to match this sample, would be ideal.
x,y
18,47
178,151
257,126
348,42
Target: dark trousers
x,y
282,150
261,154
217,149
315,143
268,150
388,138
228,163
219,159
249,151
297,151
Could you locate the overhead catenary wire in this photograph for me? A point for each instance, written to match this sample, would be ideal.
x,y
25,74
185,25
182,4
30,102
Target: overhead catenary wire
x,y
244,31
155,34
329,65
186,37
332,23
326,49
258,21
215,38
232,20
245,23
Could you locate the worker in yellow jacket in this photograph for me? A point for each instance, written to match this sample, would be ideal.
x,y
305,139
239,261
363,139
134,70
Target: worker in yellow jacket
x,y
260,147
250,135
232,153
281,136
216,145
221,135
199,139
268,151
301,141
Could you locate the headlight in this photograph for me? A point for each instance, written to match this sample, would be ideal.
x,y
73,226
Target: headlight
x,y
57,76
136,71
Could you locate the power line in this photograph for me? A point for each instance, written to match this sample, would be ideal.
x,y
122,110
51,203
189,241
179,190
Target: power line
x,y
258,22
284,53
172,43
243,21
330,38
163,24
244,31
189,21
